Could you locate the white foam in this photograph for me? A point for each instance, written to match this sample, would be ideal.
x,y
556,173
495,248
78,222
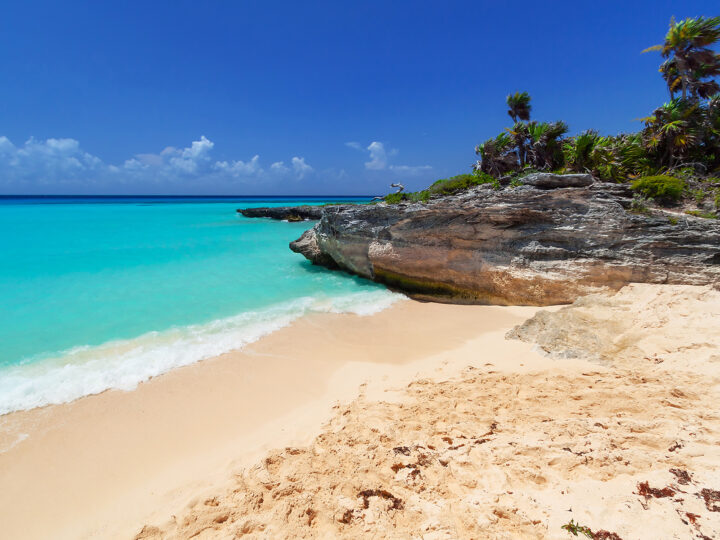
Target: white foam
x,y
123,364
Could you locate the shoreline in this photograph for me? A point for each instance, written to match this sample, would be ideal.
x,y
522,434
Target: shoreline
x,y
124,363
104,460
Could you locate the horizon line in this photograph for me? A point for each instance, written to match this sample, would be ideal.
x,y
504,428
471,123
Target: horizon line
x,y
8,196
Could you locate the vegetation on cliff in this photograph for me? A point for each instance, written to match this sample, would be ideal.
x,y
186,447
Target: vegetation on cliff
x,y
674,157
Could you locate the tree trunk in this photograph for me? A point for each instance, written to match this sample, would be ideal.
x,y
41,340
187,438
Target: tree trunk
x,y
682,68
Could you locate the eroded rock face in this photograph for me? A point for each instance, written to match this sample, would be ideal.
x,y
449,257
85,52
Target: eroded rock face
x,y
531,245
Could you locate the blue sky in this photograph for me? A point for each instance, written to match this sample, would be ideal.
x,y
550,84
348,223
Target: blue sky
x,y
263,97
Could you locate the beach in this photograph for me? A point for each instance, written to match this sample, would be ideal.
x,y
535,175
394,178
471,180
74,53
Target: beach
x,y
336,271
421,419
102,465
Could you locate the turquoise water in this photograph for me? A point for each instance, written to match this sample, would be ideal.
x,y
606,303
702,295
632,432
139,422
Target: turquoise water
x,y
98,293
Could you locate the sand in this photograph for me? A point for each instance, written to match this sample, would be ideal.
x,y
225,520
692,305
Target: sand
x,y
104,465
422,421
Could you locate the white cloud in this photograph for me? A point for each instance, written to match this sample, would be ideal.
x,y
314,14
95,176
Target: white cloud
x,y
63,160
279,168
240,168
6,147
380,158
150,159
52,160
300,167
190,160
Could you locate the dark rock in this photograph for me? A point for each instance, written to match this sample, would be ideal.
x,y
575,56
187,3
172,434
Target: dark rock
x,y
554,181
522,245
289,213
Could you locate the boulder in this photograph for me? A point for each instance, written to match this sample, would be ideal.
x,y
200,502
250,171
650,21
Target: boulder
x,y
553,181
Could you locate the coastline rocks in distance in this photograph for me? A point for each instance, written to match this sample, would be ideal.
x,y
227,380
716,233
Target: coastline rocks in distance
x,y
528,245
289,213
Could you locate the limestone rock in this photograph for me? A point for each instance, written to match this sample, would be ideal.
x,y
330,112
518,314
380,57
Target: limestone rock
x,y
529,245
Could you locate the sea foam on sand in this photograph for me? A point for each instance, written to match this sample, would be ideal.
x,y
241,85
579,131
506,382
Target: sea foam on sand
x,y
123,364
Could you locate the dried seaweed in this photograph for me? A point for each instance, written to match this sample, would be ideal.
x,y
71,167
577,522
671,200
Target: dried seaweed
x,y
683,477
644,490
710,496
397,504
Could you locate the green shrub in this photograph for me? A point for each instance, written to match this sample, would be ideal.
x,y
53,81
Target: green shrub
x,y
686,173
445,186
662,188
419,196
516,182
701,214
394,198
461,182
639,206
699,195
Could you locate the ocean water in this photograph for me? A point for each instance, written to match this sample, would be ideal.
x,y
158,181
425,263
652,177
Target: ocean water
x,y
107,292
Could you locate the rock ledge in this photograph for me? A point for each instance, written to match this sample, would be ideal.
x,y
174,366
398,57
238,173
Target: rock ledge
x,y
537,244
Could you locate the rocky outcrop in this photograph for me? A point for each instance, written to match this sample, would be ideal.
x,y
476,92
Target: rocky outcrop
x,y
553,181
540,244
289,213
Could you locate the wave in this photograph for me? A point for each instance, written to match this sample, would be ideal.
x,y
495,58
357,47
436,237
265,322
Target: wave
x,y
123,364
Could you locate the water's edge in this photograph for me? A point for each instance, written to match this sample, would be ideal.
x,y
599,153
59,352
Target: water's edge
x,y
101,293
123,364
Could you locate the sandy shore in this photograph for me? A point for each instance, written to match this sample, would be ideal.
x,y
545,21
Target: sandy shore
x,y
422,421
104,465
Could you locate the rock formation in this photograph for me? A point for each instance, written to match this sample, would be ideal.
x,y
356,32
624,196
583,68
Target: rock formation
x,y
546,242
289,213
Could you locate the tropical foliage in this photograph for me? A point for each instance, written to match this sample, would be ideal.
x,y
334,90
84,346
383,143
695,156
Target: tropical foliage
x,y
497,155
683,132
519,106
690,61
676,154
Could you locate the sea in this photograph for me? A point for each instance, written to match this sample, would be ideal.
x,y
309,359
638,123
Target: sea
x,y
105,292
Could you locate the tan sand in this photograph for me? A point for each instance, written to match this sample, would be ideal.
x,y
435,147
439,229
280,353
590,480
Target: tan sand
x,y
459,433
629,448
102,466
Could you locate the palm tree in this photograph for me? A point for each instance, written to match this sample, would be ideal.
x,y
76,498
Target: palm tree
x,y
545,150
712,132
578,150
520,134
497,156
519,106
689,58
617,157
674,130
